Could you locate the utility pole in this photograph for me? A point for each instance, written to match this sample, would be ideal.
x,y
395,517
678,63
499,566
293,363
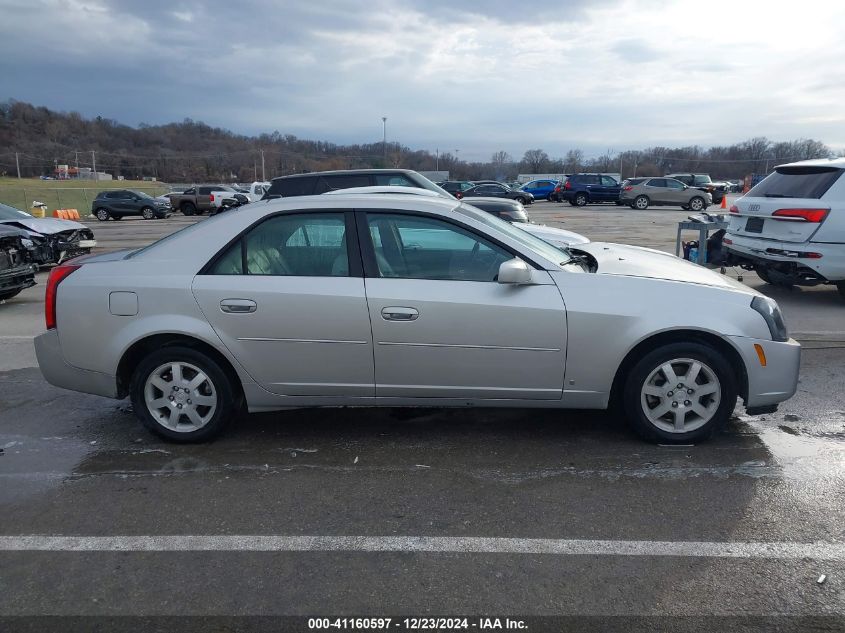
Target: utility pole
x,y
76,162
263,177
93,165
254,170
384,139
437,159
18,165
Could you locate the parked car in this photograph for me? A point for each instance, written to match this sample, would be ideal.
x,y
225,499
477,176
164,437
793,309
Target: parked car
x,y
716,190
407,301
323,181
790,227
17,270
540,189
256,190
498,191
200,199
504,208
582,189
456,187
53,240
640,193
238,195
124,203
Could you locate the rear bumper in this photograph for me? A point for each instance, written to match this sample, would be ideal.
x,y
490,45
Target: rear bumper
x,y
758,252
57,372
778,380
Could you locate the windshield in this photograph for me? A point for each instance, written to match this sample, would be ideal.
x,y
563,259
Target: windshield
x,y
552,253
10,213
702,180
141,194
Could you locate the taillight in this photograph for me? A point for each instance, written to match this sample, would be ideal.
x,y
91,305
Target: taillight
x,y
557,189
627,188
567,185
57,275
459,195
734,209
805,215
727,240
212,197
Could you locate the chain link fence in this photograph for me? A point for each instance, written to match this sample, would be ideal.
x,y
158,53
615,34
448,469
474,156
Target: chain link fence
x,y
79,198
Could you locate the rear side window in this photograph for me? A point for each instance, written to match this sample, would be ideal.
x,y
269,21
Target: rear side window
x,y
330,183
302,245
394,180
287,187
796,182
657,182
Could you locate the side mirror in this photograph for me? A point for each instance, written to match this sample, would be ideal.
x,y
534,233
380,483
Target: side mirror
x,y
514,271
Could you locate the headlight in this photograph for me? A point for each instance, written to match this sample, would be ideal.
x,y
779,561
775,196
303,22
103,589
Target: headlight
x,y
770,311
28,243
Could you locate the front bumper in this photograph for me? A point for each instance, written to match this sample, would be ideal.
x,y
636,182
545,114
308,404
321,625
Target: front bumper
x,y
18,278
775,382
58,372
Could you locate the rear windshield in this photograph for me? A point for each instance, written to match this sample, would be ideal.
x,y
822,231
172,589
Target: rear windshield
x,y
286,187
796,182
702,180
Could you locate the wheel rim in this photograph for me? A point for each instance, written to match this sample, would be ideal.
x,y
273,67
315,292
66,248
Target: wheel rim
x,y
681,395
180,397
102,215
642,203
581,201
148,214
695,205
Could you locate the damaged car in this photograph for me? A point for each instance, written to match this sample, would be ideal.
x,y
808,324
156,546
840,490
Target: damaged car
x,y
53,240
17,270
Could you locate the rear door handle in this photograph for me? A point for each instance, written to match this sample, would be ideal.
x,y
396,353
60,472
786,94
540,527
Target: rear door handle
x,y
399,314
238,306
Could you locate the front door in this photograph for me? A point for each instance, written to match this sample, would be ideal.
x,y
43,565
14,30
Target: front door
x,y
443,327
289,303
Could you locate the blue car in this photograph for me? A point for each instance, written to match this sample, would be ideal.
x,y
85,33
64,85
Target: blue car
x,y
541,189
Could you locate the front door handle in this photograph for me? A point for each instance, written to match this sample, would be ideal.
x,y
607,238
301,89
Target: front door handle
x,y
238,306
399,314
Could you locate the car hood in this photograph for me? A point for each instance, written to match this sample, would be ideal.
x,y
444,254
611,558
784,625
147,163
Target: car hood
x,y
635,261
553,235
46,226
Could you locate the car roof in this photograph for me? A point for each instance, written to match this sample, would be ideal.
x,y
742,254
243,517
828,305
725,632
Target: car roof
x,y
346,172
838,162
384,190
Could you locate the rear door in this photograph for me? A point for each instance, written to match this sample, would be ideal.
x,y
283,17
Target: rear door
x,y
788,206
442,325
287,299
204,197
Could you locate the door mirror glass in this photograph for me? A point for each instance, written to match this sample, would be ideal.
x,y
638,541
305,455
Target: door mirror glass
x,y
514,271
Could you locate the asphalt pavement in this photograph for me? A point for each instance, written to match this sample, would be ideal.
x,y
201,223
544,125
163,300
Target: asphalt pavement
x,y
415,512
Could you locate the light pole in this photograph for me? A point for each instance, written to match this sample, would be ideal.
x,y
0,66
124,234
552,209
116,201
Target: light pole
x,y
384,139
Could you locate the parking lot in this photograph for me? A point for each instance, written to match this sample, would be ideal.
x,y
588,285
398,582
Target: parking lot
x,y
483,512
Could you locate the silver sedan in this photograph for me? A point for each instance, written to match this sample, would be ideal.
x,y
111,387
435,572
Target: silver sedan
x,y
392,300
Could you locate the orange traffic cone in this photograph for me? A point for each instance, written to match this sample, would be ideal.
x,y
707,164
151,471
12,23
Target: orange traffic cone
x,y
724,202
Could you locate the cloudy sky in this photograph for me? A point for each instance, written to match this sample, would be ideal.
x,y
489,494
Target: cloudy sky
x,y
477,76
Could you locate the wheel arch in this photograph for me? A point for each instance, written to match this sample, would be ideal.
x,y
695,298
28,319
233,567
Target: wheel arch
x,y
667,337
136,352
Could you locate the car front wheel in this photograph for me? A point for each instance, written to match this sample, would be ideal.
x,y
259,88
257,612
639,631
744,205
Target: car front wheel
x,y
102,214
680,393
182,394
147,213
641,203
840,285
697,204
581,200
521,200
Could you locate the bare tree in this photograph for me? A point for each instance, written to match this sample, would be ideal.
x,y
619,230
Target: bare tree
x,y
535,160
501,163
573,161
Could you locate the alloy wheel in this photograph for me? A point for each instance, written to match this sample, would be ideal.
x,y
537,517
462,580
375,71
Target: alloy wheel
x,y
180,396
681,395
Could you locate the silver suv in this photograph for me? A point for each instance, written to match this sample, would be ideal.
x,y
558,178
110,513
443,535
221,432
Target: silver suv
x,y
640,193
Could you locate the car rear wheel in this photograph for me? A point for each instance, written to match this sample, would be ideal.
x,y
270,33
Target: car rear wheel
x,y
685,207
641,203
680,393
188,208
102,214
580,199
182,394
10,294
147,213
696,204
840,285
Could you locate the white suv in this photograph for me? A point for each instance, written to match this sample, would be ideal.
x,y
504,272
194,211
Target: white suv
x,y
790,228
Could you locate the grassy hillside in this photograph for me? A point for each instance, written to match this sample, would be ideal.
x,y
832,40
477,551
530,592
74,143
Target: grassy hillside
x,y
66,194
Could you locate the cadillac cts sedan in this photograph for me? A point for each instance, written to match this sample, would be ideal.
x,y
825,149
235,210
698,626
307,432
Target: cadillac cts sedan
x,y
396,300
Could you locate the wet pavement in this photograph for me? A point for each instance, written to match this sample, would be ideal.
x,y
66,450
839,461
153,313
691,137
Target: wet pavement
x,y
80,465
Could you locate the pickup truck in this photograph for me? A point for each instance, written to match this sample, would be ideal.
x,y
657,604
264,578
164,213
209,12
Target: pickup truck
x,y
199,199
704,183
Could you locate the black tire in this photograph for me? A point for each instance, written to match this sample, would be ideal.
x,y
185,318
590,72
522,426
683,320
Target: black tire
x,y
117,217
551,197
148,213
188,208
640,203
840,285
762,274
685,207
580,199
226,393
10,294
521,200
102,214
639,373
618,203
697,204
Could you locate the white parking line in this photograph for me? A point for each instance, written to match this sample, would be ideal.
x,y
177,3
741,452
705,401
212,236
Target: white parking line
x,y
422,544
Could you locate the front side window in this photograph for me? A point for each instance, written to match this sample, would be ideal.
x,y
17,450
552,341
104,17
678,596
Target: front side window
x,y
674,184
415,247
330,183
607,181
301,245
657,182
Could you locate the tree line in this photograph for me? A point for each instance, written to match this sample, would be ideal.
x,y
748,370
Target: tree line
x,y
192,151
